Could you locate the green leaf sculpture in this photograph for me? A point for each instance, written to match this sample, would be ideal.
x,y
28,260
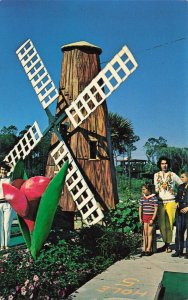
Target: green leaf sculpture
x,y
46,210
25,231
19,171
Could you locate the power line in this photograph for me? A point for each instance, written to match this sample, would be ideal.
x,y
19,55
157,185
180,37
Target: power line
x,y
165,44
156,46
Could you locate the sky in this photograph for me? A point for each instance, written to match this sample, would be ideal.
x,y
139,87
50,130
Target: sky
x,y
153,98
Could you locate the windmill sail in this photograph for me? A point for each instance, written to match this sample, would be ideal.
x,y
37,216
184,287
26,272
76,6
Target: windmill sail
x,y
116,71
77,186
27,143
37,74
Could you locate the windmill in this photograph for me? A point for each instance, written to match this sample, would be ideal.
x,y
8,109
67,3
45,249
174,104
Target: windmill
x,y
88,99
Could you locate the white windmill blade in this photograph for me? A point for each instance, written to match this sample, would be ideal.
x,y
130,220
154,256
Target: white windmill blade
x,y
77,186
27,143
116,71
37,74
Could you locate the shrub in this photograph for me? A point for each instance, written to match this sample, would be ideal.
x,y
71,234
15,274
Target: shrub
x,y
51,275
126,193
69,259
63,266
124,217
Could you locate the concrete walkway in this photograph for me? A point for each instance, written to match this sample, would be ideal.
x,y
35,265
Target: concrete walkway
x,y
136,278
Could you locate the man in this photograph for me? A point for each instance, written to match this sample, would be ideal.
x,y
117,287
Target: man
x,y
182,216
6,212
165,182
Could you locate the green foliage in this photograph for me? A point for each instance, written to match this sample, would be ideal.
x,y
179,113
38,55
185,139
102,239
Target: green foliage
x,y
122,135
68,260
178,157
152,146
125,192
64,266
118,244
55,272
108,242
124,218
35,162
121,129
8,139
151,168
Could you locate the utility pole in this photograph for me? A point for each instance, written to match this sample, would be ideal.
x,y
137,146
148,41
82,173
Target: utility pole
x,y
129,165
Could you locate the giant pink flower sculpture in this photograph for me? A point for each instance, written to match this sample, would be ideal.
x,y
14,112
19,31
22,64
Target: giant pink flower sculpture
x,y
35,201
25,199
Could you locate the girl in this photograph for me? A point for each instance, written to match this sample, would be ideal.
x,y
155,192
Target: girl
x,y
147,214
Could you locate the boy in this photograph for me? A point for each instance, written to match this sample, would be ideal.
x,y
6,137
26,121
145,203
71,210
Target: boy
x,y
182,216
147,214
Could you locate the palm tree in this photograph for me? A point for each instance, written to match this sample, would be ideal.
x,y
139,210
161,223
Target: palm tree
x,y
121,133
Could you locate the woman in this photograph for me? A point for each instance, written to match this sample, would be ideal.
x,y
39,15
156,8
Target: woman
x,y
165,182
6,212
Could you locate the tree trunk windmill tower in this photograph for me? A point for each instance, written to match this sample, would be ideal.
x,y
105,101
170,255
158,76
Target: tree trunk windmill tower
x,y
90,142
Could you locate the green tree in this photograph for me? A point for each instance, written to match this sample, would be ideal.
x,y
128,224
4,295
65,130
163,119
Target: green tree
x,y
8,138
121,132
22,132
40,155
129,148
152,147
177,156
35,162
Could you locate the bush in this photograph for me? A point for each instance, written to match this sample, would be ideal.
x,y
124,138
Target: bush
x,y
124,217
64,266
126,193
69,259
108,243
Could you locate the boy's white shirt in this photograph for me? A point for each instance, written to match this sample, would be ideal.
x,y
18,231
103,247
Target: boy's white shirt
x,y
163,193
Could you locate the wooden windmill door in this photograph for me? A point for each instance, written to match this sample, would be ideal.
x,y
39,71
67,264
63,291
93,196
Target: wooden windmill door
x,y
90,142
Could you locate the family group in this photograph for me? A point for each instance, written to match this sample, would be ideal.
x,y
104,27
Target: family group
x,y
168,203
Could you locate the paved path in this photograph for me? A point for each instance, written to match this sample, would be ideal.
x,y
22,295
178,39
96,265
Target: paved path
x,y
136,278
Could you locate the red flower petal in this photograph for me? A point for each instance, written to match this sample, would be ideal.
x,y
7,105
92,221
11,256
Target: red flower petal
x,y
16,199
30,224
34,187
